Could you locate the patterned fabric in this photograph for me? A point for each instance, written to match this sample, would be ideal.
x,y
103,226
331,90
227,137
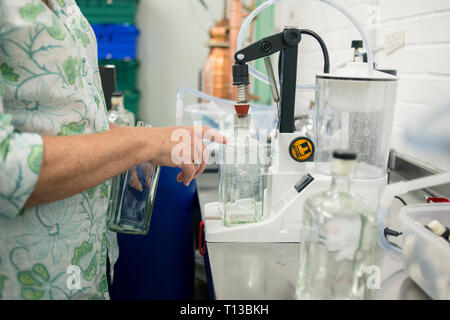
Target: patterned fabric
x,y
49,85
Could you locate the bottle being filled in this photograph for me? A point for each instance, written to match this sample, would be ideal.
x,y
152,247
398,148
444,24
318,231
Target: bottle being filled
x,y
241,176
118,114
338,241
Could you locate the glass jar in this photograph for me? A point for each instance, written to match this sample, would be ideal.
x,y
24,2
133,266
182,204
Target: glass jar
x,y
241,176
355,111
132,198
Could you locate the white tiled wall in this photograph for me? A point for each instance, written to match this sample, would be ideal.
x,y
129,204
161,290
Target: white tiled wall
x,y
423,63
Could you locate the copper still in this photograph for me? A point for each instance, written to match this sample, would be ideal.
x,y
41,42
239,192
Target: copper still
x,y
217,68
217,78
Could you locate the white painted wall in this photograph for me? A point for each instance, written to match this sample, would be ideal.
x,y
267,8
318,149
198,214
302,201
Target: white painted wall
x,y
423,63
171,49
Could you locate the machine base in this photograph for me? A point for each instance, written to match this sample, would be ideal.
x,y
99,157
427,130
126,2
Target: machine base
x,y
282,216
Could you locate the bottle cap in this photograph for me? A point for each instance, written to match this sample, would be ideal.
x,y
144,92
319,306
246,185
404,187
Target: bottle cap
x,y
344,155
117,94
436,227
343,163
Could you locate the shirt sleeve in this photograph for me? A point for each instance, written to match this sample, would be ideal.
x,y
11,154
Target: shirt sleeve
x,y
20,163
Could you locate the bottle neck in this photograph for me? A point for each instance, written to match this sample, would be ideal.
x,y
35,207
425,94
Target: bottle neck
x,y
342,175
241,123
341,183
117,104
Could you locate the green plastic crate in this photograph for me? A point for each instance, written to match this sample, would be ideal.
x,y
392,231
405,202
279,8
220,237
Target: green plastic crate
x,y
126,73
131,101
109,11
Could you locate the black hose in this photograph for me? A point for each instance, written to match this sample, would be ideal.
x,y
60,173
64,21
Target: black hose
x,y
401,200
326,57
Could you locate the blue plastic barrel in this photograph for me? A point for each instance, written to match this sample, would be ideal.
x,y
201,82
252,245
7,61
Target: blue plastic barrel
x,y
160,265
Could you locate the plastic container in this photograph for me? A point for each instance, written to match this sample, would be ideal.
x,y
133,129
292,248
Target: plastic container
x,y
221,116
426,255
116,41
355,111
109,11
126,73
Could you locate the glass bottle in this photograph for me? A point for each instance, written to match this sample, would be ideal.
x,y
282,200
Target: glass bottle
x,y
118,114
132,198
241,176
339,239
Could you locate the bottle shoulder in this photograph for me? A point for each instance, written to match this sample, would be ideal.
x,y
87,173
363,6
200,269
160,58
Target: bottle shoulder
x,y
128,112
120,118
338,203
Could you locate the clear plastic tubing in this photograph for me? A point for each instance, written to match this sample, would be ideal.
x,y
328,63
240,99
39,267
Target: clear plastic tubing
x,y
180,105
401,188
202,95
261,76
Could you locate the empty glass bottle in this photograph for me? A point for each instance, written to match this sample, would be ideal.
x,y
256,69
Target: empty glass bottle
x,y
118,114
339,239
241,176
132,198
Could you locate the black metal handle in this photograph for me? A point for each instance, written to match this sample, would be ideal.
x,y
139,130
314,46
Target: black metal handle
x,y
285,42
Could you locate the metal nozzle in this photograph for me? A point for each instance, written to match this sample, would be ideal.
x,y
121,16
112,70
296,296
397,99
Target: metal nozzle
x,y
240,79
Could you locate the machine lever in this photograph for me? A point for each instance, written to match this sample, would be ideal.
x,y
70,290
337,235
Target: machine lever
x,y
272,81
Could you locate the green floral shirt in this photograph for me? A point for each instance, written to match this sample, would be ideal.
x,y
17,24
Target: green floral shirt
x,y
49,85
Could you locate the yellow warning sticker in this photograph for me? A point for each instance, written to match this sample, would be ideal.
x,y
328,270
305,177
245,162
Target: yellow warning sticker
x,y
301,149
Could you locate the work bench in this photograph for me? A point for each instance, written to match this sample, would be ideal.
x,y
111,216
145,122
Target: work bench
x,y
269,270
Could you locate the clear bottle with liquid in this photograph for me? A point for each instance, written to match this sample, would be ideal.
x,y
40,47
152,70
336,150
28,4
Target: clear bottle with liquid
x,y
338,241
241,176
118,114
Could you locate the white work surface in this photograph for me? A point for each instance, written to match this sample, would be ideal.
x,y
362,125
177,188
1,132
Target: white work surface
x,y
269,270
